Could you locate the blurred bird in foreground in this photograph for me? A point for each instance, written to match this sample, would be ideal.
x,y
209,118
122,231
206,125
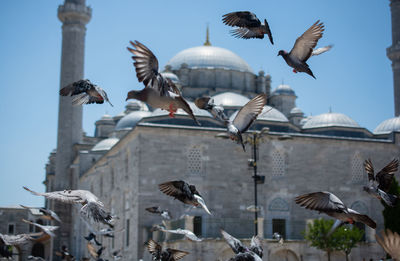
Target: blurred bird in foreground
x,y
253,253
46,213
164,255
85,92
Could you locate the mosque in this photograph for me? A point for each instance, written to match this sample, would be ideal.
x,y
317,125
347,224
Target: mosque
x,y
132,152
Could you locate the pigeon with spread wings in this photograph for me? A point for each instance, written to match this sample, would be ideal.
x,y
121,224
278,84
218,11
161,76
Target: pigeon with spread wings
x,y
184,192
164,255
85,92
303,49
49,230
380,183
91,205
46,213
159,92
249,25
252,253
331,205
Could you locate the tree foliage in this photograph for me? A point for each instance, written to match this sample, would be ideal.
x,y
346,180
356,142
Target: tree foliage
x,y
391,215
343,239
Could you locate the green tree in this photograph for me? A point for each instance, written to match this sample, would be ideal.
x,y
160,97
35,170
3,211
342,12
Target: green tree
x,y
342,239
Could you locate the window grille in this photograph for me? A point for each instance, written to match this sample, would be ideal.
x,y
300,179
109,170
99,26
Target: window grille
x,y
357,168
278,164
194,162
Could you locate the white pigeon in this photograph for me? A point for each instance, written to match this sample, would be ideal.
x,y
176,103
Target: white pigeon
x,y
49,230
187,233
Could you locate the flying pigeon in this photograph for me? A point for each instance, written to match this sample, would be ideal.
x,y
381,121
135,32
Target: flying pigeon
x,y
92,237
380,183
91,205
107,232
64,254
245,117
187,233
49,230
86,93
249,25
20,239
157,210
184,192
331,205
95,253
46,213
217,111
303,49
253,253
278,237
390,242
116,255
159,92
164,255
35,258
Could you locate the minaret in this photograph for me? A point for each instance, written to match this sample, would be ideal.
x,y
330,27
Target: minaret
x,y
393,52
74,15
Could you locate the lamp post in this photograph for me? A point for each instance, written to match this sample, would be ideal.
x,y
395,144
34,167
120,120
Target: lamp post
x,y
254,138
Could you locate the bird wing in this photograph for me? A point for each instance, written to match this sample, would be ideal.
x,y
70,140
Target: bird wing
x,y
321,50
241,19
202,102
369,168
255,242
75,88
305,44
362,218
236,245
153,247
322,201
246,33
103,94
249,112
385,176
68,196
92,250
177,254
268,30
155,210
15,239
390,242
173,188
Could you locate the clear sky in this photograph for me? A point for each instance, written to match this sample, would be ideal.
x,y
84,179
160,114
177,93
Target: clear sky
x,y
354,78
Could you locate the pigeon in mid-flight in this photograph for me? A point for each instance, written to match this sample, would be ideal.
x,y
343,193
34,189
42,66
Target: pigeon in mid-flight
x,y
164,255
249,25
86,93
46,213
91,205
390,242
331,205
95,253
252,253
217,111
162,212
380,183
159,92
49,230
303,49
187,233
184,192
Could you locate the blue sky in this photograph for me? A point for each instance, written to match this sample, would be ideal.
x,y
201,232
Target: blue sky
x,y
354,78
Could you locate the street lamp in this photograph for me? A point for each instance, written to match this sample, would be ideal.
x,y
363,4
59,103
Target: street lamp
x,y
253,138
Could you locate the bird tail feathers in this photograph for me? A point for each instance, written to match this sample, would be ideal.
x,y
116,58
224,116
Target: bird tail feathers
x,y
389,199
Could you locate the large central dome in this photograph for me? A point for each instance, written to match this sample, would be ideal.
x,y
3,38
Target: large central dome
x,y
209,57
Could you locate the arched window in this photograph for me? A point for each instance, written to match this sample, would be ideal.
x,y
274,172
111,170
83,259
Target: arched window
x,y
278,204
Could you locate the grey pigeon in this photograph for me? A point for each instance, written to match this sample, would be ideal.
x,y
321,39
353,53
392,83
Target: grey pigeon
x,y
159,92
46,213
157,210
91,205
245,118
184,192
254,252
390,242
331,205
49,230
303,49
380,183
278,237
217,111
164,255
187,233
86,93
249,25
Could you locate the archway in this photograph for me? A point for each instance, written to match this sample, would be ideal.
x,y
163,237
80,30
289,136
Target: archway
x,y
283,255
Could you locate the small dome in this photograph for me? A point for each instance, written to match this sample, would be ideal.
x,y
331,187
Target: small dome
x,y
170,76
196,111
283,89
296,110
209,57
230,99
329,120
135,105
130,120
106,117
105,144
388,126
267,114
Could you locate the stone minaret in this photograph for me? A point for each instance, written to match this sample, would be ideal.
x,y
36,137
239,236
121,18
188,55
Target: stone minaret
x,y
74,15
393,52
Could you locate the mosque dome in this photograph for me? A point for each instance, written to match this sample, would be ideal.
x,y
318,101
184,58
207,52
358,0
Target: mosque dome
x,y
170,76
230,99
196,111
105,144
388,126
267,114
130,120
135,105
209,57
283,89
330,119
296,110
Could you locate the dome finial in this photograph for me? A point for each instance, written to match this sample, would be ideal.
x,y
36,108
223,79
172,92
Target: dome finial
x,y
207,42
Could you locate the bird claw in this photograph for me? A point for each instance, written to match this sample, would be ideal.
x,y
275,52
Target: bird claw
x,y
294,70
171,111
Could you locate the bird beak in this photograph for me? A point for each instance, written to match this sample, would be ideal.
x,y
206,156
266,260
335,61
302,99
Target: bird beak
x,y
202,203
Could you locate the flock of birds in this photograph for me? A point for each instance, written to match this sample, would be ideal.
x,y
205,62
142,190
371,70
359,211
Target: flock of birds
x,y
161,92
